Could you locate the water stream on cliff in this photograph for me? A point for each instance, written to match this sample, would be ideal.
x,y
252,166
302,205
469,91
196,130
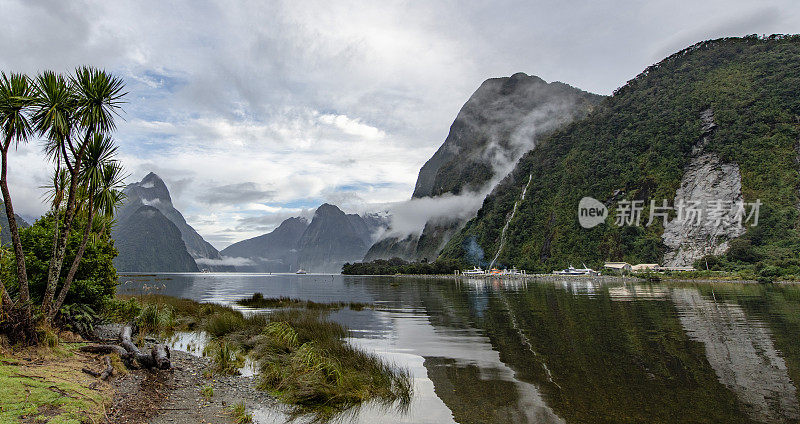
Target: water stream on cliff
x,y
550,350
505,227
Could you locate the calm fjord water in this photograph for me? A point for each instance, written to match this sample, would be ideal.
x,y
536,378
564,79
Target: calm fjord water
x,y
554,351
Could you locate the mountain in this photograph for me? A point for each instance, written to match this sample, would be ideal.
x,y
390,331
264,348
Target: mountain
x,y
152,191
272,252
502,120
715,121
149,242
331,239
5,233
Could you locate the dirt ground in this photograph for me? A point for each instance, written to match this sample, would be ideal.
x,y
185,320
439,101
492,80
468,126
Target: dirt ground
x,y
175,396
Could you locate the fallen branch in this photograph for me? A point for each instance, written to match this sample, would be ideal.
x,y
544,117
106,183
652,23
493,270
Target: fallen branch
x,y
158,357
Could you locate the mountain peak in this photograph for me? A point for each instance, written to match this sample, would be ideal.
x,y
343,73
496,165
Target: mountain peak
x,y
151,188
326,209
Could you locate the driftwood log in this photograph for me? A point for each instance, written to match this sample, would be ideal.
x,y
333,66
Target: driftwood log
x,y
158,357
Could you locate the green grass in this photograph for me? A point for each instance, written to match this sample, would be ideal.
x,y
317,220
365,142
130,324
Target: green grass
x,y
259,301
52,389
239,414
207,391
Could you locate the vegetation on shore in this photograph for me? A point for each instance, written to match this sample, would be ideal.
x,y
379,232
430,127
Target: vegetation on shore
x,y
257,300
302,356
400,266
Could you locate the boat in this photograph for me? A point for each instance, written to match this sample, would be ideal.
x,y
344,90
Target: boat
x,y
301,271
576,271
473,271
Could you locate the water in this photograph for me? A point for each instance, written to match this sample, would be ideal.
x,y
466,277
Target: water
x,y
564,350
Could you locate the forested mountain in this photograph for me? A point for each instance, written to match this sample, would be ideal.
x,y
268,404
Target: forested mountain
x,y
502,120
152,191
720,119
149,242
5,234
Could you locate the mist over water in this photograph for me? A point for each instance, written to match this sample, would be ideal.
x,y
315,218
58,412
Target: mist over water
x,y
556,350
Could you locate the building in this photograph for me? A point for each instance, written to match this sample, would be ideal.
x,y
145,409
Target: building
x,y
646,267
618,267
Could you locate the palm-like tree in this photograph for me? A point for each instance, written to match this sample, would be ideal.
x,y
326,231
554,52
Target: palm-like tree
x,y
15,99
101,178
95,99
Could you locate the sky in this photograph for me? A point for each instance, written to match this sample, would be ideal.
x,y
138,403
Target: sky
x,y
253,112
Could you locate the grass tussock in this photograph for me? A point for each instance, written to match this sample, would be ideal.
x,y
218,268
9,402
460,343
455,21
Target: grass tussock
x,y
239,414
257,300
302,356
227,358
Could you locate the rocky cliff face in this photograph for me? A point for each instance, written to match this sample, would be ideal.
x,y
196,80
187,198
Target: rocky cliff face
x,y
706,181
500,121
272,252
149,242
152,191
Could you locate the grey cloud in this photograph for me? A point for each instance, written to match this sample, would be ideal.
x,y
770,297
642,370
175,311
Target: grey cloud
x,y
236,193
267,222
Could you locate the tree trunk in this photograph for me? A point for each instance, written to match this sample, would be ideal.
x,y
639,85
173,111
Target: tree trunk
x,y
159,356
57,261
19,254
74,268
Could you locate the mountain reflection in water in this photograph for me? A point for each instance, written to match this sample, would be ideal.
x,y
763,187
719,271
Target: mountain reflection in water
x,y
554,351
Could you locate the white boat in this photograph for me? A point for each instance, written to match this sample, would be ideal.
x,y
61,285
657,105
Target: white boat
x,y
473,271
301,271
577,271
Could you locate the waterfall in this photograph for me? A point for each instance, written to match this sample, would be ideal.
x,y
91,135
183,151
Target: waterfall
x,y
505,227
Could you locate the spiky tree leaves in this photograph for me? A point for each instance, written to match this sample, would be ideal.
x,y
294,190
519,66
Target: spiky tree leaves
x,y
96,99
16,95
102,182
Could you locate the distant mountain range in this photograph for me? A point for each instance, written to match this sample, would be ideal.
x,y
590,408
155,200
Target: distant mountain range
x,y
501,121
151,235
322,245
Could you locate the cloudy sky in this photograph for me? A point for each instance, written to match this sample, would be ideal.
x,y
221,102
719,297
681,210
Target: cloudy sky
x,y
256,111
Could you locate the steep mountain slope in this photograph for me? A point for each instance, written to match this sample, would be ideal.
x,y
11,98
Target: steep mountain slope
x,y
149,242
502,120
331,239
718,119
5,234
152,191
272,252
